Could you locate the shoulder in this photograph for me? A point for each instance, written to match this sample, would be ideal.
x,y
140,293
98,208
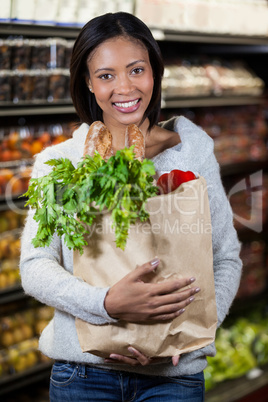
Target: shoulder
x,y
189,132
193,139
194,151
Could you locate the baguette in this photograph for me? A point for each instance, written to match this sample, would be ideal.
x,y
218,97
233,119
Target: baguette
x,y
98,139
135,137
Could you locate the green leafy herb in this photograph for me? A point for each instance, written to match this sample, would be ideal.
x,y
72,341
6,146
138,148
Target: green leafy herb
x,y
68,198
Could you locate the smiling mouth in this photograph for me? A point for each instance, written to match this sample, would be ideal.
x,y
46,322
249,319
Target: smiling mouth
x,y
126,105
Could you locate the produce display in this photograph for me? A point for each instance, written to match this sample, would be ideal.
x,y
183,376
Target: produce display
x,y
19,339
9,259
22,143
239,133
240,347
10,219
14,181
255,271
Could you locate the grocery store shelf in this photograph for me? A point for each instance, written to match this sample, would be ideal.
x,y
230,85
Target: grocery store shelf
x,y
200,37
31,109
36,373
16,293
159,34
38,30
235,390
243,167
200,101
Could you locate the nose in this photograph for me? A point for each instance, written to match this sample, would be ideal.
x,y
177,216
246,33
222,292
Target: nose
x,y
124,85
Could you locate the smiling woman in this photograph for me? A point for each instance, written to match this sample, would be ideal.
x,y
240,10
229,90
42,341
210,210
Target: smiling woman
x,y
121,79
115,82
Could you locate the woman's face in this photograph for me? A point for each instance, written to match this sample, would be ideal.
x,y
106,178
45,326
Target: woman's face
x,y
121,79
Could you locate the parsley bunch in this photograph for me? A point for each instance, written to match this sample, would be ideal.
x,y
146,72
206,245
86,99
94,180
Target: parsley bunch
x,y
69,198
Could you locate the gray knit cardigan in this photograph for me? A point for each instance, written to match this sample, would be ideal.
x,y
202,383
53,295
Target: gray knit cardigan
x,y
47,273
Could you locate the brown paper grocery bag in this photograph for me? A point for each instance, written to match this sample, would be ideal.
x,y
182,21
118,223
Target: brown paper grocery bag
x,y
179,233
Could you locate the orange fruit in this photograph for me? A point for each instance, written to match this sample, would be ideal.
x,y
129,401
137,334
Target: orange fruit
x,y
36,147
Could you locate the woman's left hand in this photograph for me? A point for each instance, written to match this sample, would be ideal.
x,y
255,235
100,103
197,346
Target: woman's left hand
x,y
137,359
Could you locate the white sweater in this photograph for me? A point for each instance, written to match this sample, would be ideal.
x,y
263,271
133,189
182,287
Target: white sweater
x,y
47,273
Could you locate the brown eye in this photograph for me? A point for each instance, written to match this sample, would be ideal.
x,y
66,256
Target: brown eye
x,y
137,70
105,76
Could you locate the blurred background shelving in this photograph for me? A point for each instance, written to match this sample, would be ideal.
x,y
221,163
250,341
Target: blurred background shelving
x,y
216,75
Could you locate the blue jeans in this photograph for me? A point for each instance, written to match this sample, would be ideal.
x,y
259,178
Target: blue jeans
x,y
77,383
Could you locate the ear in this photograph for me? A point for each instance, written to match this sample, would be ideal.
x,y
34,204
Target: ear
x,y
90,86
88,82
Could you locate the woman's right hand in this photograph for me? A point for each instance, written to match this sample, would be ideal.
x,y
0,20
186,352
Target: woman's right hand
x,y
133,300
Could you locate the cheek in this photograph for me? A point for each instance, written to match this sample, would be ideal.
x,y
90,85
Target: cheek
x,y
149,85
101,93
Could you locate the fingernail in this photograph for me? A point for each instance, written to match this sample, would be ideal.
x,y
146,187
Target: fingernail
x,y
192,279
131,350
113,357
197,290
155,261
181,310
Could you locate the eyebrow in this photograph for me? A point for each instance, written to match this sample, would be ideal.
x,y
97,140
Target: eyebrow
x,y
111,69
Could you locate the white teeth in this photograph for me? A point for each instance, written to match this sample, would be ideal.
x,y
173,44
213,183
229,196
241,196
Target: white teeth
x,y
127,104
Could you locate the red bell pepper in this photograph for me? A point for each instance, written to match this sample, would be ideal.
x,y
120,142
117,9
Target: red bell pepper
x,y
168,182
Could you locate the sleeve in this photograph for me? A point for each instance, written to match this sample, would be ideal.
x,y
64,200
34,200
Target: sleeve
x,y
226,246
46,276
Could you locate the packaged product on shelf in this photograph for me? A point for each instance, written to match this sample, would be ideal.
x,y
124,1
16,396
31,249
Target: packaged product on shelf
x,y
40,85
68,52
185,79
40,56
126,6
87,10
48,53
22,13
235,17
67,12
58,85
45,11
57,52
5,86
22,85
21,54
5,11
188,77
233,79
5,54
